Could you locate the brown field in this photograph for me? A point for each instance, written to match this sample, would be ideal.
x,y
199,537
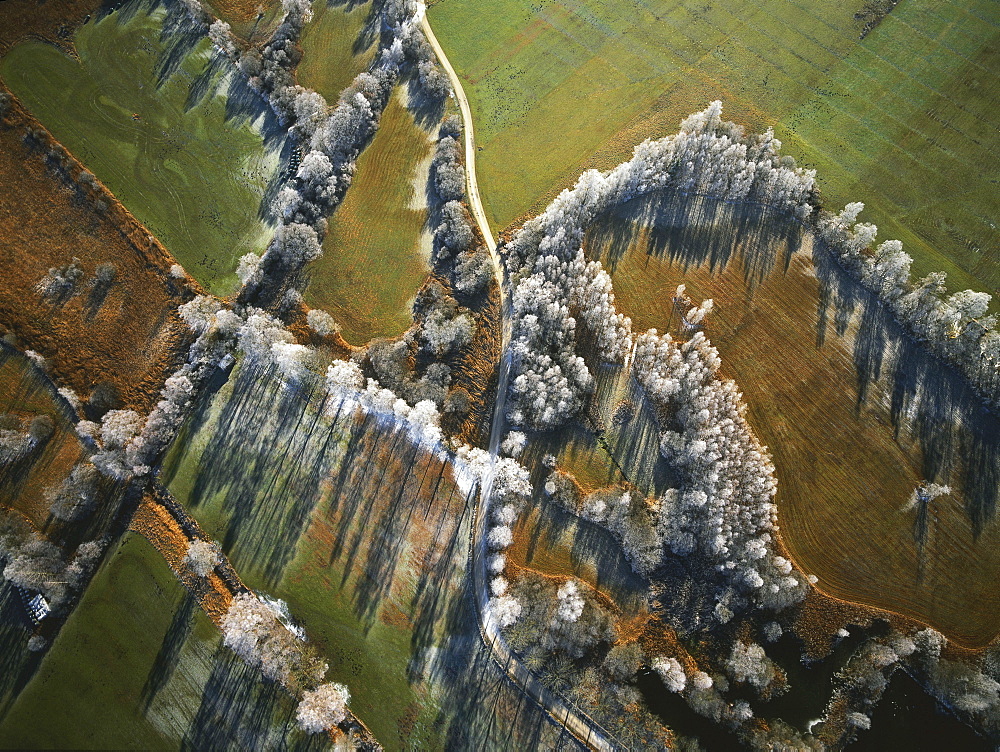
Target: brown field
x,y
22,395
847,457
129,336
241,14
53,21
375,253
555,543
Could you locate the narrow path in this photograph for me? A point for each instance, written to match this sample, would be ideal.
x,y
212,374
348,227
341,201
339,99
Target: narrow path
x,y
582,728
472,184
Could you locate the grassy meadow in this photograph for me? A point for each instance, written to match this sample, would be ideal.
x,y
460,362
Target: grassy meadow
x,y
899,120
855,415
337,45
366,536
138,665
150,117
376,253
344,521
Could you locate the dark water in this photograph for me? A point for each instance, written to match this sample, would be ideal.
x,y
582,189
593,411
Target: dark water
x,y
909,719
671,708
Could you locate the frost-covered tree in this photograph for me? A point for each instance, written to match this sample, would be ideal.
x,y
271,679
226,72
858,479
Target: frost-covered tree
x,y
76,496
749,663
322,708
202,556
322,322
61,282
671,672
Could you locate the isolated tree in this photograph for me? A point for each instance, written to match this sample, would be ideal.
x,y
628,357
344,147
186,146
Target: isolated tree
x,y
671,672
322,322
322,708
41,428
749,663
202,556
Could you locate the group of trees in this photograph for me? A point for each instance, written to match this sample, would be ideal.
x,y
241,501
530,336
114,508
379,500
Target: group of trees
x,y
346,381
624,514
252,630
506,486
39,566
63,282
75,498
723,514
958,327
17,443
554,284
562,618
331,136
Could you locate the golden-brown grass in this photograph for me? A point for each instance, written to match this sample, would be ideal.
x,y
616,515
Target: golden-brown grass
x,y
153,522
843,474
130,337
53,21
23,397
375,255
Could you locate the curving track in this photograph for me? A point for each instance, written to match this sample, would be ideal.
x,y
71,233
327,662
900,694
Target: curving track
x,y
585,730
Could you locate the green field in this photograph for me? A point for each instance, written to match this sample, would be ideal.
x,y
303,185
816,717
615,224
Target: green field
x,y
900,120
335,48
366,537
376,254
192,176
855,418
303,511
139,665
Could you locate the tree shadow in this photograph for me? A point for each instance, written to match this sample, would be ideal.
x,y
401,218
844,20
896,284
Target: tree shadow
x,y
693,231
239,710
17,663
929,401
167,658
179,38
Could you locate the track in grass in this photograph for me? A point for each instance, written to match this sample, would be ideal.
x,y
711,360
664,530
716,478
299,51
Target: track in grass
x,y
376,253
855,413
337,45
900,120
150,117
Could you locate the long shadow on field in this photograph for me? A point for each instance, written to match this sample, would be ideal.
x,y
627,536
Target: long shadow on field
x,y
930,401
207,82
180,36
266,456
17,664
480,708
167,658
240,711
691,231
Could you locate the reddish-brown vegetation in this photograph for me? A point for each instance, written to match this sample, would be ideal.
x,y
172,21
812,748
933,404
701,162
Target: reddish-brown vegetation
x,y
127,335
52,21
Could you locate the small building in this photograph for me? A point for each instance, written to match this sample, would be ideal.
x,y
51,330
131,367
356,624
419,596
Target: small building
x,y
38,608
